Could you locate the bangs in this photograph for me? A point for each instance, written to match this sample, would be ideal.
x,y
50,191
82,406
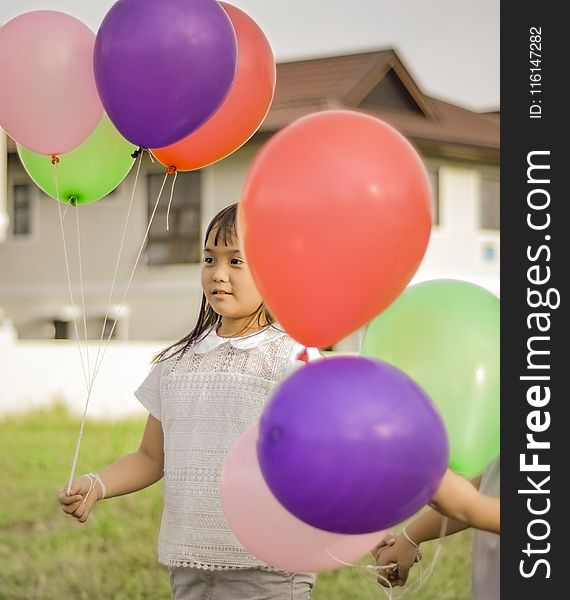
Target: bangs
x,y
222,230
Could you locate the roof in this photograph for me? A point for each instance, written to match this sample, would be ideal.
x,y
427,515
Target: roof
x,y
379,84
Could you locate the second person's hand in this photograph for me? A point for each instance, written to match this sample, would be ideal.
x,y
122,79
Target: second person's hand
x,y
395,559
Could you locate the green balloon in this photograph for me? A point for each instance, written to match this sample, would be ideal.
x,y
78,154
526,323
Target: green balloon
x,y
445,335
87,173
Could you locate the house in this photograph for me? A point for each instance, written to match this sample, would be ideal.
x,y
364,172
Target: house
x,y
460,149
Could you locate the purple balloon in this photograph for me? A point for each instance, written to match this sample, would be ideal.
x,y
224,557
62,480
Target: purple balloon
x,y
163,68
351,445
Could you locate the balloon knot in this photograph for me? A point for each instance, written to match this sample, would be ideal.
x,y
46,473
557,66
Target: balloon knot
x,y
303,356
137,152
54,159
171,170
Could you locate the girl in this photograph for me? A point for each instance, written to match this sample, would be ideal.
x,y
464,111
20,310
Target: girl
x,y
201,394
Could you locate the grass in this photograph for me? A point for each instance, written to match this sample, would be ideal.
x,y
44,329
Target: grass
x,y
46,555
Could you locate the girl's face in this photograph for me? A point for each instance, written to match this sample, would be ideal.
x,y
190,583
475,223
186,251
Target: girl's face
x,y
227,281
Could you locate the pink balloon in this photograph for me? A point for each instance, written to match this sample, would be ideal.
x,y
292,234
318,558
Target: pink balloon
x,y
49,101
268,530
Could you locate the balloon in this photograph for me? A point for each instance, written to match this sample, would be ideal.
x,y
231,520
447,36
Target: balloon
x,y
49,101
244,108
163,68
351,445
271,533
87,173
335,217
445,335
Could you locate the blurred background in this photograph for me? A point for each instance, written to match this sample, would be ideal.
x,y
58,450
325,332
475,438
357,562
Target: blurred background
x,y
422,67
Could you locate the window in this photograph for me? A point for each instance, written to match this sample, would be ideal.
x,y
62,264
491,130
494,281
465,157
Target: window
x,y
433,174
489,206
180,243
95,330
65,329
61,329
21,223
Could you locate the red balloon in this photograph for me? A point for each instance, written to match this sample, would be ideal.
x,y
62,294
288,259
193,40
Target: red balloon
x,y
244,108
335,217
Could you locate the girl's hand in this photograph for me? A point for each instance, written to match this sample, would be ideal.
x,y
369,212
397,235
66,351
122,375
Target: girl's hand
x,y
396,558
80,501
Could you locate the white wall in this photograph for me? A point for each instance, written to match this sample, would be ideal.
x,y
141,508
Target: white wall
x,y
457,246
37,374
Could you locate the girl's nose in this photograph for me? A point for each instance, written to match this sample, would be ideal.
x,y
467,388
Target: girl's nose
x,y
221,275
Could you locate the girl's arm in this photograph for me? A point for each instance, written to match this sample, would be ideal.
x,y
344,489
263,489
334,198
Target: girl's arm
x,y
460,499
457,498
399,554
139,469
130,473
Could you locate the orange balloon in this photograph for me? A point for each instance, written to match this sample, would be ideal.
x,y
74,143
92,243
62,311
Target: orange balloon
x,y
244,108
335,217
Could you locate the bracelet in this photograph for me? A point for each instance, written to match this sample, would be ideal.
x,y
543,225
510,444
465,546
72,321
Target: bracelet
x,y
409,539
94,477
405,534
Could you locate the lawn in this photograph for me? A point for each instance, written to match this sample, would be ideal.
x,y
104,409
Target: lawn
x,y
46,555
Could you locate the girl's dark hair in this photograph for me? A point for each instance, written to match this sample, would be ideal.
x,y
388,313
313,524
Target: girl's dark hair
x,y
225,231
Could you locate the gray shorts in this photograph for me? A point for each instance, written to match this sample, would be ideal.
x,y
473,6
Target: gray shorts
x,y
239,584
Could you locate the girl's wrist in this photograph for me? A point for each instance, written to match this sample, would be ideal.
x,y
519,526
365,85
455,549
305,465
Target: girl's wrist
x,y
407,537
96,483
412,542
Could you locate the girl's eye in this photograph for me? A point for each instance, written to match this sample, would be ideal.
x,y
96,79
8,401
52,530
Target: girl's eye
x,y
237,261
208,260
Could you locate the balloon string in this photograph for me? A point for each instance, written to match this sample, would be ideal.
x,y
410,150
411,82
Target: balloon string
x,y
439,546
66,209
118,260
410,589
82,289
70,289
132,272
375,568
55,161
72,202
98,366
424,576
168,172
140,150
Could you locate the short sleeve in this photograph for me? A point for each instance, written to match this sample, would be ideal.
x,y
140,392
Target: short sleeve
x,y
148,393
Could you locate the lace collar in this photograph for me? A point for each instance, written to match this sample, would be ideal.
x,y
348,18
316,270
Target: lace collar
x,y
246,342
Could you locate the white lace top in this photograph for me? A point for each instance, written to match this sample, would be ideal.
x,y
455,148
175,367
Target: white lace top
x,y
204,400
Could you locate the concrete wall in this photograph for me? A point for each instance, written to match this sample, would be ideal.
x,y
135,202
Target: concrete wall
x,y
458,247
39,374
